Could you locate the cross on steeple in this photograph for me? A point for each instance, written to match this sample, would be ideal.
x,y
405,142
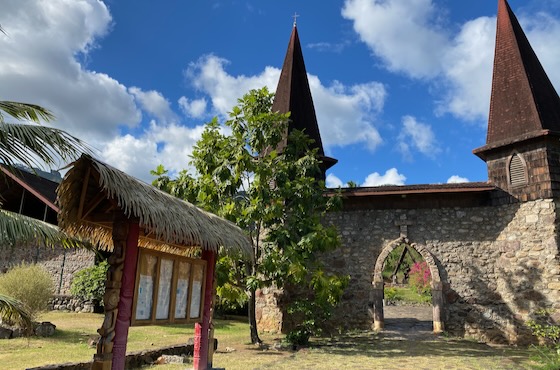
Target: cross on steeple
x,y
295,18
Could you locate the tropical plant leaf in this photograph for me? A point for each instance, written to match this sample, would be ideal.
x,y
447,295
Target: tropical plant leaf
x,y
16,228
34,145
12,310
25,111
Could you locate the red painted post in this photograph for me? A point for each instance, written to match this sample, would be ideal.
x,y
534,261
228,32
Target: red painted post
x,y
127,294
200,356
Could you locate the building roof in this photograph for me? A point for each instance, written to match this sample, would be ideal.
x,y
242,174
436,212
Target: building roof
x,y
294,95
471,194
524,104
92,191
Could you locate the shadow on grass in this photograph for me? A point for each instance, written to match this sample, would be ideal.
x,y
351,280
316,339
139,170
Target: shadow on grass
x,y
376,345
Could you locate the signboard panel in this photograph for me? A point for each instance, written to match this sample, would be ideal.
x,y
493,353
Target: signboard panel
x,y
169,288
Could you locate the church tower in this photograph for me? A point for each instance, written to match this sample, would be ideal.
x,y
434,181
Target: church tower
x,y
522,148
294,95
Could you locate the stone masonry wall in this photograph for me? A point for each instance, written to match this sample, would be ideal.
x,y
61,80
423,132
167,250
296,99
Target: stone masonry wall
x,y
61,263
497,264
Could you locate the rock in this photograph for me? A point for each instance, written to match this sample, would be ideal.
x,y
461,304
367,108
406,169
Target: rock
x,y
93,340
45,329
170,359
5,333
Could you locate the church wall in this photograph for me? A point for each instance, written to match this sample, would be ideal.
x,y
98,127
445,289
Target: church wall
x,y
57,261
497,264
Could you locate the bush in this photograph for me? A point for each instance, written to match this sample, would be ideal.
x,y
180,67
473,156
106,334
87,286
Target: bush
x,y
548,333
89,283
32,285
420,277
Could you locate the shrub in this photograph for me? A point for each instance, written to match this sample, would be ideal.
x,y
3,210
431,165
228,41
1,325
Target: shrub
x,y
392,294
420,277
548,333
32,285
89,283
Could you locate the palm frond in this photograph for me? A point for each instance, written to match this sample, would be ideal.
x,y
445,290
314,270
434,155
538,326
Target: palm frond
x,y
33,145
25,111
12,310
16,228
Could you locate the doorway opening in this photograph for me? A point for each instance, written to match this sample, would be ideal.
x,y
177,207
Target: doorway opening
x,y
407,289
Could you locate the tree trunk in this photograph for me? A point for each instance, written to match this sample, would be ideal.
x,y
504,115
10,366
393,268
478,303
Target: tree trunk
x,y
253,317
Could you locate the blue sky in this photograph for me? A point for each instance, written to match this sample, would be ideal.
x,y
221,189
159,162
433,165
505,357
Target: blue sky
x,y
401,87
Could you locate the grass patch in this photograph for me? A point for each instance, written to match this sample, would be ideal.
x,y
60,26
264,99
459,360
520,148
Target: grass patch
x,y
364,350
407,295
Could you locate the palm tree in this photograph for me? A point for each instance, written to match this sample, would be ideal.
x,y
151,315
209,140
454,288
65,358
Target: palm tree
x,y
33,145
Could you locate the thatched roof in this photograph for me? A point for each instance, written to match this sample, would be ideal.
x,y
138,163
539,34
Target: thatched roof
x,y
92,192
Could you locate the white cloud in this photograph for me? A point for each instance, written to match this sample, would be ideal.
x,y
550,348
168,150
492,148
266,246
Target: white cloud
x,y
468,71
405,35
391,177
167,144
154,103
195,108
457,179
39,63
333,182
345,114
418,136
408,38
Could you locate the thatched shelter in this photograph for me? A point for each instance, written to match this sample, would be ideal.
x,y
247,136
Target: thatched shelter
x,y
121,214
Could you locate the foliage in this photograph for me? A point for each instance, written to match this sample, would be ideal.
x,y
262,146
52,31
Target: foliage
x,y
420,277
548,333
272,194
89,283
12,311
393,258
392,294
31,285
35,146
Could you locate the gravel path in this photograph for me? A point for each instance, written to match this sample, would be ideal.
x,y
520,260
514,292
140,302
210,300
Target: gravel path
x,y
408,323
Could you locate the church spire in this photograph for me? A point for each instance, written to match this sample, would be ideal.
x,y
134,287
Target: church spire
x,y
523,103
294,95
522,143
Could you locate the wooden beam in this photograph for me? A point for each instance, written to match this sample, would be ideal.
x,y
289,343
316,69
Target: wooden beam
x,y
94,203
83,194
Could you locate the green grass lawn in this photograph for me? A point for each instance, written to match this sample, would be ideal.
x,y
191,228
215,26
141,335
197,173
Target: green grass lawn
x,y
359,350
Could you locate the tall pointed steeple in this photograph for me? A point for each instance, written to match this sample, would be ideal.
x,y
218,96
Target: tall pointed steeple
x,y
294,95
523,101
524,116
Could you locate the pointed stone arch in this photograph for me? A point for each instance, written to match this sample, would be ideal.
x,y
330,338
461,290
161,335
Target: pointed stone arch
x,y
437,293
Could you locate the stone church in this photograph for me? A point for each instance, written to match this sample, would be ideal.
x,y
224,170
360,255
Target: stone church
x,y
492,247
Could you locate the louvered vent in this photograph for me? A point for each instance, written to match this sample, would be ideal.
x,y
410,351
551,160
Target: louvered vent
x,y
516,171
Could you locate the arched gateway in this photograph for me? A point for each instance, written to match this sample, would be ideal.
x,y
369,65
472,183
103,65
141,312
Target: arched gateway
x,y
377,296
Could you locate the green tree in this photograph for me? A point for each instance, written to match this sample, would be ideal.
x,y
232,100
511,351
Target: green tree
x,y
274,195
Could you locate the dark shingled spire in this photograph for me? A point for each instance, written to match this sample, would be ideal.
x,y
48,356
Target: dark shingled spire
x,y
524,104
293,95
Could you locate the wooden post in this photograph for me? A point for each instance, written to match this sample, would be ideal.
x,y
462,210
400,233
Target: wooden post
x,y
201,330
103,359
437,302
124,313
378,319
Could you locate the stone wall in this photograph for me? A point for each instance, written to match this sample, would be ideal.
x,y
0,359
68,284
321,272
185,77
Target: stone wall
x,y
60,262
69,303
497,264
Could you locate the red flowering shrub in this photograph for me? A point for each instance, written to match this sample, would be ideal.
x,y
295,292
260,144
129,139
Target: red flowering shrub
x,y
419,277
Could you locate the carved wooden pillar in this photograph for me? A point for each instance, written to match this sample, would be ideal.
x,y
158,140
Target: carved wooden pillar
x,y
437,302
124,313
103,359
378,319
201,330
